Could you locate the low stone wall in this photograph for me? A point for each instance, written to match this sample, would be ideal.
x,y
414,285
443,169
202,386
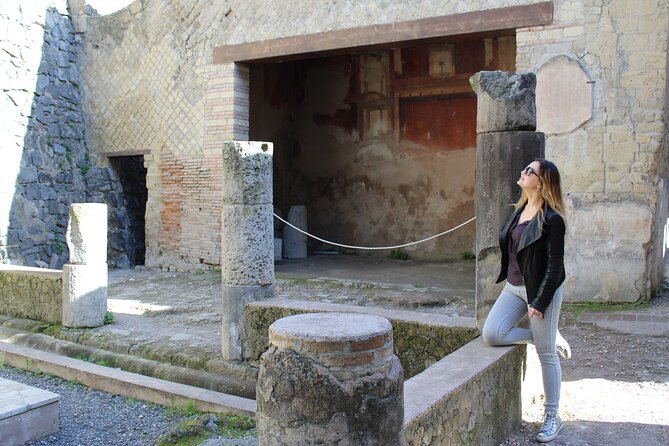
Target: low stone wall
x,y
421,339
470,397
32,293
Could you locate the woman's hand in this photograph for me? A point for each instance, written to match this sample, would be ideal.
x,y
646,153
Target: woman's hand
x,y
535,312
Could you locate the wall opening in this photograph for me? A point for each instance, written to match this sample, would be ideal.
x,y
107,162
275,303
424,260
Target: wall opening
x,y
380,145
132,175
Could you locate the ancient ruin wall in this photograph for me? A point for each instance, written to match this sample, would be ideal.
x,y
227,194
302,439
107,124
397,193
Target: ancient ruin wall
x,y
147,77
153,62
46,163
612,166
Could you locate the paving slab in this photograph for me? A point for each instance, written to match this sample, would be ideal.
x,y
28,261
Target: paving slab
x,y
26,413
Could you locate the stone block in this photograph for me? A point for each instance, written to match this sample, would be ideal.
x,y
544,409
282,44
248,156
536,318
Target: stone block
x,y
247,173
294,242
86,234
247,245
84,295
26,413
505,101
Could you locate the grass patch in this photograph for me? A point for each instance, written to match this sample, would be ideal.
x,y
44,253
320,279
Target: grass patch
x,y
186,409
398,254
198,428
109,318
578,308
466,255
94,360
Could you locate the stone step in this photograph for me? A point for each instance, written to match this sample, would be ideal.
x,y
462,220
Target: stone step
x,y
26,413
124,383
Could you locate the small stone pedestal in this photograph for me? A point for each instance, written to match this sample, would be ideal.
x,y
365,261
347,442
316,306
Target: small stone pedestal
x,y
330,378
85,276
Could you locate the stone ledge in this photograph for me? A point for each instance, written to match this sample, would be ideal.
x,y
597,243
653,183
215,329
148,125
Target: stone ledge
x,y
125,383
470,397
219,376
33,271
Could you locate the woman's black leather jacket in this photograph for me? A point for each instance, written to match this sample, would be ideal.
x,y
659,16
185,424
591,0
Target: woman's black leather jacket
x,y
540,256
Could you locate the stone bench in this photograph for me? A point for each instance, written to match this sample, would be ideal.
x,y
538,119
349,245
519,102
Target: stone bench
x,y
26,413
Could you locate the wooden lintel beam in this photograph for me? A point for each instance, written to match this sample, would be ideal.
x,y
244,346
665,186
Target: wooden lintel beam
x,y
384,36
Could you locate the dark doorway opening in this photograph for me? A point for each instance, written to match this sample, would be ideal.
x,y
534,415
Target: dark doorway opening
x,y
132,175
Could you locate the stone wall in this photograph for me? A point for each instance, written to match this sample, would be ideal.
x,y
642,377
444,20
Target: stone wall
x,y
46,161
31,293
613,166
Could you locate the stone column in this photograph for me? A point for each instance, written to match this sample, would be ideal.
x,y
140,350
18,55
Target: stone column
x,y
295,242
506,142
247,237
330,378
85,276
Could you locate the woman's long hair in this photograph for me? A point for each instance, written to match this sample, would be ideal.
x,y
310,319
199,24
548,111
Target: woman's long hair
x,y
551,190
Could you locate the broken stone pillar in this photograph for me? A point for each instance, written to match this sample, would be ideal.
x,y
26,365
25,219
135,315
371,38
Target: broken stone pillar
x,y
85,276
247,236
330,378
294,242
505,143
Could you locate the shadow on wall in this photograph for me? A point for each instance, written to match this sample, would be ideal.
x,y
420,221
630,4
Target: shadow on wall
x,y
57,168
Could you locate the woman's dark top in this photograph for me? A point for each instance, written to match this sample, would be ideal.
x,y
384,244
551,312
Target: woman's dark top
x,y
514,276
540,256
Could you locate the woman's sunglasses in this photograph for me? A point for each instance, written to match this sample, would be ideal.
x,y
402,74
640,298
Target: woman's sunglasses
x,y
530,171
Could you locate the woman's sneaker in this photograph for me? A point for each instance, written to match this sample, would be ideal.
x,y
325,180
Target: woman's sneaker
x,y
550,429
562,346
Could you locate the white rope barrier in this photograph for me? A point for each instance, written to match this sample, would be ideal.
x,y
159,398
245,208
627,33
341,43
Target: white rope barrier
x,y
375,247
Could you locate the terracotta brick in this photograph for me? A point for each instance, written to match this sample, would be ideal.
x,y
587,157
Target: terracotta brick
x,y
368,344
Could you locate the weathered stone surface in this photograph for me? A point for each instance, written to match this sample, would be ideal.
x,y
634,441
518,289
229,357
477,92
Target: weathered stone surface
x,y
616,277
477,400
247,251
564,96
84,295
294,242
506,101
349,345
87,233
302,396
31,293
247,167
505,154
235,298
44,134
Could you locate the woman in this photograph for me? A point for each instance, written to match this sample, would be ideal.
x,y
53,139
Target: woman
x,y
532,244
